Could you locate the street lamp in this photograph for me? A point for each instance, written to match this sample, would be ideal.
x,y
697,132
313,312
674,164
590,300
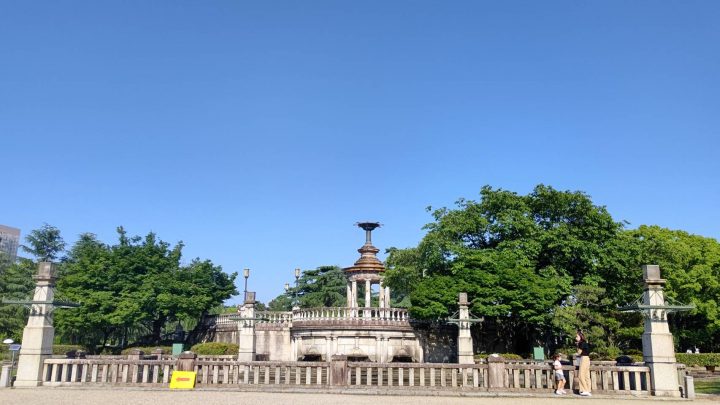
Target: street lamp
x,y
297,278
246,274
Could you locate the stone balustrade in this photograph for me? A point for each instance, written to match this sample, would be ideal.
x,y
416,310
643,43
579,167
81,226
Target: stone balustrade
x,y
272,317
360,315
509,376
369,314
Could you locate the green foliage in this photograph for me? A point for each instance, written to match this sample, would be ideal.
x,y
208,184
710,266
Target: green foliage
x,y
146,349
215,348
134,290
511,356
516,257
540,265
16,283
64,349
45,243
708,386
322,287
691,266
699,359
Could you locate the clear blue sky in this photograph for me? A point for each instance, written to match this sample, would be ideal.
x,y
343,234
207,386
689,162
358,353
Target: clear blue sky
x,y
259,132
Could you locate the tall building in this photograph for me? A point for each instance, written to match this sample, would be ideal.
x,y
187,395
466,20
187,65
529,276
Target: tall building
x,y
9,241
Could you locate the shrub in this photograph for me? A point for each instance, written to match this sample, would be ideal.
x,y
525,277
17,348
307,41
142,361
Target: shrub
x,y
699,359
147,349
215,348
511,356
63,349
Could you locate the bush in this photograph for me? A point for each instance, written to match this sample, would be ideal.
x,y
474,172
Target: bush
x,y
699,359
215,348
511,356
147,349
63,349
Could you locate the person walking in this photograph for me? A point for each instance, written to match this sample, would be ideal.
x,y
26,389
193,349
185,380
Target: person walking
x,y
583,351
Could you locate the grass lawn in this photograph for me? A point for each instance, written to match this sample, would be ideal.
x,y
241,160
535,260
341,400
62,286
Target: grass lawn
x,y
708,386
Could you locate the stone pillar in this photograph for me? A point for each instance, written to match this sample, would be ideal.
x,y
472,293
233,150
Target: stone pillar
x,y
338,370
354,295
5,376
465,343
349,295
38,335
378,349
657,341
496,373
368,290
381,297
185,361
387,297
293,349
246,326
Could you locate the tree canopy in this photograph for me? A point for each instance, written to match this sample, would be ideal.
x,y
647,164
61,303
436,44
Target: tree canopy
x,y
539,265
321,287
132,291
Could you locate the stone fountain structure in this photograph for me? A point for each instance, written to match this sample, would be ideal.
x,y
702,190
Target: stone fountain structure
x,y
360,331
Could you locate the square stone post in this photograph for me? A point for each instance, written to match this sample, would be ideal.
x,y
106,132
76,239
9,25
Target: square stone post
x,y
496,373
38,335
465,343
657,341
246,332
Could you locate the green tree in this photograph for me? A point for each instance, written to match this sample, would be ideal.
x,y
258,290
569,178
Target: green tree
x,y
16,283
516,256
322,287
46,243
691,266
136,290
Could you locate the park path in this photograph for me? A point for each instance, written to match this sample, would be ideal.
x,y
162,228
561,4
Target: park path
x,y
125,396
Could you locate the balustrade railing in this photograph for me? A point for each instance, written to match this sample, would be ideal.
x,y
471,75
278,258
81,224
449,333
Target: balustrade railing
x,y
517,377
344,313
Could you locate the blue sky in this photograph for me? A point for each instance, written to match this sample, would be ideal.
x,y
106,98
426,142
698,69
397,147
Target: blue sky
x,y
259,132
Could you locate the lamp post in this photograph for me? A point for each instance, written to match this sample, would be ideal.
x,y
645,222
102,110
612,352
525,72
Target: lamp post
x,y
297,278
246,274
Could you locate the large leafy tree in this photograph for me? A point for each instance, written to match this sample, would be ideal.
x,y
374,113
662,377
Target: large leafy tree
x,y
691,265
132,291
516,256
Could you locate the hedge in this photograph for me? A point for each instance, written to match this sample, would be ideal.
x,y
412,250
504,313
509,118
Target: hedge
x,y
215,348
699,359
147,350
63,349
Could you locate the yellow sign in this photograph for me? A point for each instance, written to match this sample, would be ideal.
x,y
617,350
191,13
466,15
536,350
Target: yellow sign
x,y
182,380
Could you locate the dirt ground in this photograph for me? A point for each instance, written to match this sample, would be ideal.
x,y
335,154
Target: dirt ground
x,y
76,396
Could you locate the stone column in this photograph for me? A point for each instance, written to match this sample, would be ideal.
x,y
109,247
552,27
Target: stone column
x,y
349,295
465,343
387,297
368,289
354,296
657,341
381,297
293,349
246,325
38,335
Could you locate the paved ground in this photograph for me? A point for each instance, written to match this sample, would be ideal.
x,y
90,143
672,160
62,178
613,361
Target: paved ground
x,y
76,396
